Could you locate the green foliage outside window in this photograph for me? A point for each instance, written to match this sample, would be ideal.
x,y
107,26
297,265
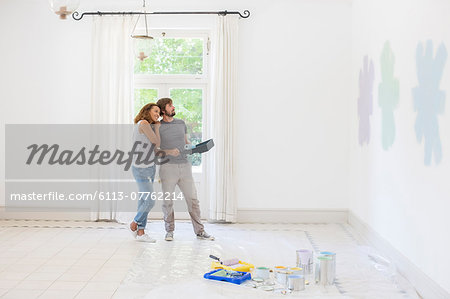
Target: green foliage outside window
x,y
170,56
143,97
188,107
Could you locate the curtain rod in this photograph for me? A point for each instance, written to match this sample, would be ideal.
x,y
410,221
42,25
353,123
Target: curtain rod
x,y
76,15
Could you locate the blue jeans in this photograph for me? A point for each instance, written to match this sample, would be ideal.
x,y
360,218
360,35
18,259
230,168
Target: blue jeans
x,y
144,178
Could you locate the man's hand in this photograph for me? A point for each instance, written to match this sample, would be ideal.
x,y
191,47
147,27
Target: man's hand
x,y
173,152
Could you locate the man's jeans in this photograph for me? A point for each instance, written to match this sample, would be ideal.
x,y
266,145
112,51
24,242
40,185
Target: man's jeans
x,y
144,178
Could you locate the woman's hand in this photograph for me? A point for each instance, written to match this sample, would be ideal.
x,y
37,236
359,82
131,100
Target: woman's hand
x,y
157,125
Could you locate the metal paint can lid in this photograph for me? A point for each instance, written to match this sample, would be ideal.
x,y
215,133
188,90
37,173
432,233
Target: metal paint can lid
x,y
266,288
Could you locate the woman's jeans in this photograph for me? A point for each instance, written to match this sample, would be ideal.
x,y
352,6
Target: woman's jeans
x,y
144,178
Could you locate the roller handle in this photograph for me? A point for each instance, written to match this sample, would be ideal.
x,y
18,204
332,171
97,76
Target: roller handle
x,y
215,258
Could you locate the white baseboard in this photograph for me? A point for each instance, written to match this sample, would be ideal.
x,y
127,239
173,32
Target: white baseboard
x,y
243,215
80,215
292,215
425,286
22,215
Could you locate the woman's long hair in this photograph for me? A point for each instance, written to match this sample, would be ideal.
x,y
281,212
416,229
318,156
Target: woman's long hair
x,y
145,113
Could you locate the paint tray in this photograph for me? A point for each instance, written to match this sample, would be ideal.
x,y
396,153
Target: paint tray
x,y
201,147
220,275
241,266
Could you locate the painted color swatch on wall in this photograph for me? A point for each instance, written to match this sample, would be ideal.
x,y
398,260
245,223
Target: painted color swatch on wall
x,y
428,99
388,96
365,100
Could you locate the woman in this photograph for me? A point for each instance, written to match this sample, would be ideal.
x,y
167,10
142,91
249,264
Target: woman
x,y
146,131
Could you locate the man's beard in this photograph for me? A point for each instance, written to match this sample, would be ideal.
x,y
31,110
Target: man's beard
x,y
171,115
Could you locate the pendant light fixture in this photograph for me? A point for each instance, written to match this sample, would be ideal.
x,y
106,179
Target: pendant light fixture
x,y
142,42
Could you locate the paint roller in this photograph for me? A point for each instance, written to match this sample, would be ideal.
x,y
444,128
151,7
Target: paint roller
x,y
228,263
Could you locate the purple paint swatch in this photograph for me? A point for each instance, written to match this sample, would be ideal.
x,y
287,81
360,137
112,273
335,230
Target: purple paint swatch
x,y
365,100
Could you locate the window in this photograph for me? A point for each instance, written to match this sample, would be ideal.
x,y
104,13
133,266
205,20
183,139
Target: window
x,y
177,68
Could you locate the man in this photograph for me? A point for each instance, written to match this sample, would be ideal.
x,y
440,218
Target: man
x,y
178,171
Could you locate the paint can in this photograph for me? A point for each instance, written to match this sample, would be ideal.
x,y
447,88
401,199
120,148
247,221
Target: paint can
x,y
305,260
296,282
324,276
282,276
262,272
333,267
296,270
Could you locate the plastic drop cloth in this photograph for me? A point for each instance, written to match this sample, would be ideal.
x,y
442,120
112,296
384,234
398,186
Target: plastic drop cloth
x,y
175,269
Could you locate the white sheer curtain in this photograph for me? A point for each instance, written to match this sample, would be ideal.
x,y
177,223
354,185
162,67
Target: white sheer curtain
x,y
112,70
112,83
223,206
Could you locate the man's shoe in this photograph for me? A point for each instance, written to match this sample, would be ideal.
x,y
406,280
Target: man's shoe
x,y
145,238
205,236
169,236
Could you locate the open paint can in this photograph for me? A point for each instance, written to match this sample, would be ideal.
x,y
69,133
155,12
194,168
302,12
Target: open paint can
x,y
324,271
282,276
296,282
262,272
305,260
333,263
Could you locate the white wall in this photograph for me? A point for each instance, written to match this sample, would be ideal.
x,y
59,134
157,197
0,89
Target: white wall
x,y
45,69
293,90
401,198
293,86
